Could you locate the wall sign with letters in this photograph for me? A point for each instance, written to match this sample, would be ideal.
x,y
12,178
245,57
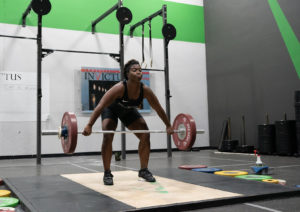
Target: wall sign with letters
x,y
95,82
18,96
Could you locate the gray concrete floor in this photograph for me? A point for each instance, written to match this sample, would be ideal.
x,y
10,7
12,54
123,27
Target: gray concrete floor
x,y
282,167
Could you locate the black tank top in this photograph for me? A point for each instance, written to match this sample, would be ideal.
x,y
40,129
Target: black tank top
x,y
131,103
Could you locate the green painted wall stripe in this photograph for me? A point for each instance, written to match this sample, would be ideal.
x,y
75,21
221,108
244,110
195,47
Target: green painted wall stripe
x,y
78,15
287,34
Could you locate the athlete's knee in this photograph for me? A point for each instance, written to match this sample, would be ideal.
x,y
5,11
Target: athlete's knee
x,y
107,139
145,137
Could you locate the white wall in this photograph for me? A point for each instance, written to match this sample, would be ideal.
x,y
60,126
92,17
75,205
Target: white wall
x,y
187,84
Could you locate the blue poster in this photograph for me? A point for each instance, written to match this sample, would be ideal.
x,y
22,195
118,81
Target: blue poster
x,y
95,82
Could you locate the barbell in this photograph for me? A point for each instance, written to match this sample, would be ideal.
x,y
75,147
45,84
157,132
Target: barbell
x,y
184,132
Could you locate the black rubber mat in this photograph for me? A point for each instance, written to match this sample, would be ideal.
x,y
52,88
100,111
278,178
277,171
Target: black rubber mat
x,y
56,193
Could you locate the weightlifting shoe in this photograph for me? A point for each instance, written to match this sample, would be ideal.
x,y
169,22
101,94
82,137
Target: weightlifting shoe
x,y
146,175
108,178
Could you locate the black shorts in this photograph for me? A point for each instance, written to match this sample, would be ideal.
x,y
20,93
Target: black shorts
x,y
126,115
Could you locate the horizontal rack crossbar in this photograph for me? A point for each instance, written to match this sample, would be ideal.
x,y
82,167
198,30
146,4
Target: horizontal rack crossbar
x,y
83,52
19,37
151,69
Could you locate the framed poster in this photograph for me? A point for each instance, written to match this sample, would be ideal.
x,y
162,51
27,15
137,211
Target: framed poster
x,y
95,82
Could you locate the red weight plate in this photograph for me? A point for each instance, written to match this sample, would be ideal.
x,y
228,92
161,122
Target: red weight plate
x,y
1,181
69,143
189,167
184,141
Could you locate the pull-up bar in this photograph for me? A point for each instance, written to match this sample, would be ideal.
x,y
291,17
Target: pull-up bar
x,y
116,6
123,14
159,12
27,11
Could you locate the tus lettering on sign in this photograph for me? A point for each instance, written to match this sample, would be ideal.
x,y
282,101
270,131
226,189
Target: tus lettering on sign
x,y
10,76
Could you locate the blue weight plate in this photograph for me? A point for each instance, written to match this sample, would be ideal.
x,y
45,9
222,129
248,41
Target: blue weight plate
x,y
207,170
